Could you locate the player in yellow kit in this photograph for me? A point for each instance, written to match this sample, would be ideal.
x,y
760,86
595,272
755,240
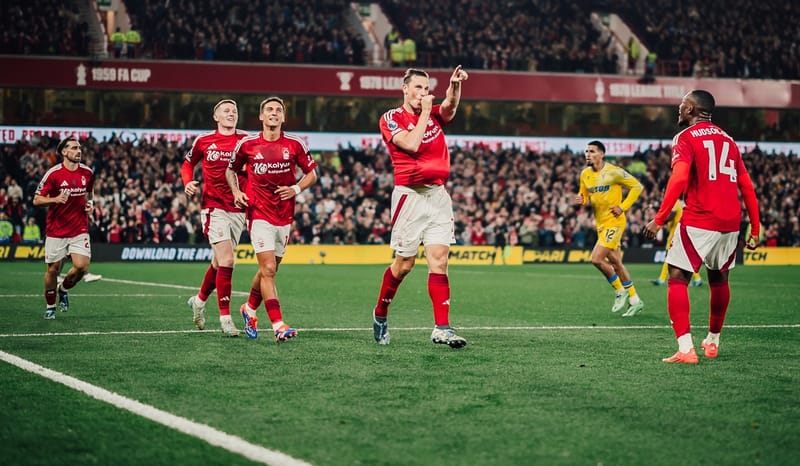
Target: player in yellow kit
x,y
601,185
672,225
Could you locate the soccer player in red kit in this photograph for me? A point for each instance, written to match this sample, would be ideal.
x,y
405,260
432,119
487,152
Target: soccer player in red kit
x,y
66,189
422,211
271,158
222,220
708,168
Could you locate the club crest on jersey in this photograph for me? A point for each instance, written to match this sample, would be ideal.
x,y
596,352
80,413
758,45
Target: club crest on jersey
x,y
83,180
285,153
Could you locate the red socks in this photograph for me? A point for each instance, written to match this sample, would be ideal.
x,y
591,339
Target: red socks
x,y
720,297
50,297
439,291
68,283
678,306
209,283
273,310
255,298
389,287
224,275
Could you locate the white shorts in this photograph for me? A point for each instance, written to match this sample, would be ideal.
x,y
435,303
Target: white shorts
x,y
421,216
56,249
267,237
692,247
220,225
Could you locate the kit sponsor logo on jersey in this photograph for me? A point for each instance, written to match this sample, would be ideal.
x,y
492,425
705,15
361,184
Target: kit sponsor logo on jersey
x,y
271,168
214,155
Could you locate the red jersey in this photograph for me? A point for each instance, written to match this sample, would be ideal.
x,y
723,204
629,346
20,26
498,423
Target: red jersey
x,y
271,164
215,151
712,195
69,219
431,163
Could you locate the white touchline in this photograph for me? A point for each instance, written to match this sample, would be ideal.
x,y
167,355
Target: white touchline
x,y
164,285
203,432
545,328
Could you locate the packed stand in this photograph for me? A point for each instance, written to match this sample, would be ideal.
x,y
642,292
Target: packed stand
x,y
42,27
500,197
252,31
515,35
738,39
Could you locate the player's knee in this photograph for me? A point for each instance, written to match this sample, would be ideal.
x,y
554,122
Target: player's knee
x,y
717,277
268,270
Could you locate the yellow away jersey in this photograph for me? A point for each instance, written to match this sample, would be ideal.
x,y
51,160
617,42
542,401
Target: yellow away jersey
x,y
604,190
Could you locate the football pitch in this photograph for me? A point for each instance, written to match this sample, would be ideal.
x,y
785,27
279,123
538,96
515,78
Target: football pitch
x,y
549,376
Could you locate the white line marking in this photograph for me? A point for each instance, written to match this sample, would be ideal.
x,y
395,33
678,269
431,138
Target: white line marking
x,y
164,285
98,295
414,329
208,434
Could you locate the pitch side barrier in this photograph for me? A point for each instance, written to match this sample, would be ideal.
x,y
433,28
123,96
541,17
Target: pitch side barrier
x,y
382,254
295,254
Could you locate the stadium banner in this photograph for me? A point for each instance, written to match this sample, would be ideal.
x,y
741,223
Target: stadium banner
x,y
331,80
381,254
772,256
295,254
338,254
584,256
333,141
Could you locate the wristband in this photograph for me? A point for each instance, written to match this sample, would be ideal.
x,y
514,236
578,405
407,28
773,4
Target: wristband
x,y
297,189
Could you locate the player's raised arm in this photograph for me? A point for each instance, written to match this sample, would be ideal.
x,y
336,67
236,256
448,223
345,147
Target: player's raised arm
x,y
453,95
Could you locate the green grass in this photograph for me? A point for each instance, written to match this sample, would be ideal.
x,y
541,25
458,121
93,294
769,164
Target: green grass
x,y
565,382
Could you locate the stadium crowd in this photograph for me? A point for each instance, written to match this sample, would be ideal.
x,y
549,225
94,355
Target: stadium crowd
x,y
26,31
746,39
515,35
501,197
743,39
254,30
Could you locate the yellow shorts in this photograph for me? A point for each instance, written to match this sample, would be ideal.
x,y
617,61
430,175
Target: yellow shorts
x,y
610,235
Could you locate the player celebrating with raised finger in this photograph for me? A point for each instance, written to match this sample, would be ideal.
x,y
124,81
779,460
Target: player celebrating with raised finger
x,y
422,211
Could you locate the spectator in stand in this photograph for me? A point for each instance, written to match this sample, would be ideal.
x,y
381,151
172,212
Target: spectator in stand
x,y
397,52
391,37
223,220
133,41
13,188
6,229
410,51
117,41
633,54
32,234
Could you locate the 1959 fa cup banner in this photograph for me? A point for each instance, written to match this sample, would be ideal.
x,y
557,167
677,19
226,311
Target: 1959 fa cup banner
x,y
72,73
